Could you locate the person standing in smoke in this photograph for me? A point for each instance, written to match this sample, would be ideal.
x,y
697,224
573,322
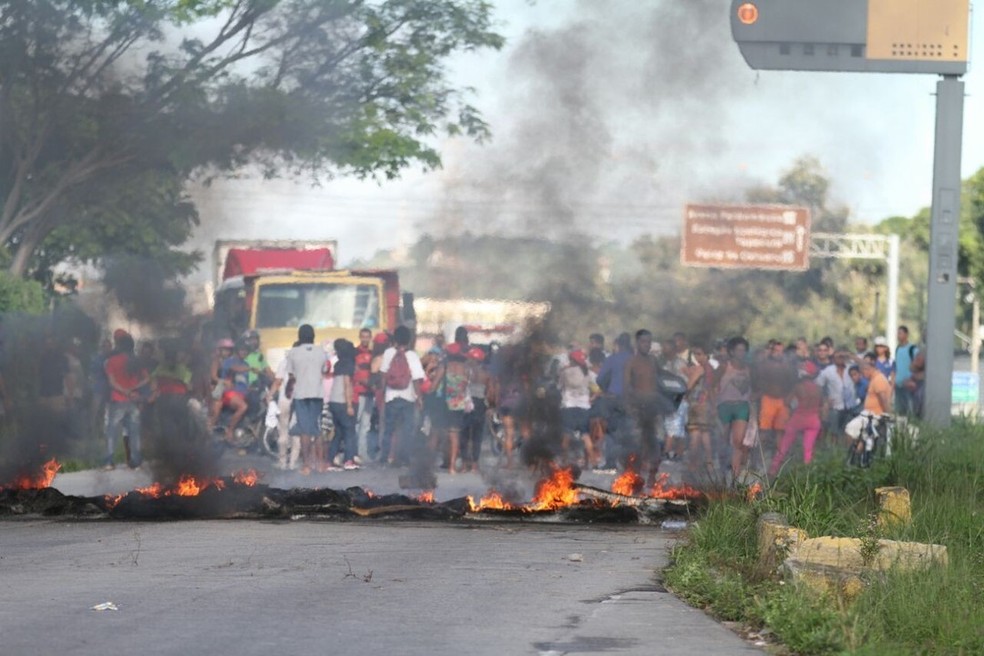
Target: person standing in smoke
x,y
611,380
402,375
363,392
471,435
342,403
307,363
734,396
642,392
99,385
126,377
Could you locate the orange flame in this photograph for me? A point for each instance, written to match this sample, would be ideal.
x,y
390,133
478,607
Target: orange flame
x,y
555,492
39,480
628,483
249,478
492,501
188,486
753,492
660,490
426,497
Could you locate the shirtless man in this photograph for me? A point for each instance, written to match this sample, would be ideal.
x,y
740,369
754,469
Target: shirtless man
x,y
642,394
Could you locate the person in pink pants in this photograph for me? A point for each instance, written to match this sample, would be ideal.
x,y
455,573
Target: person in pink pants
x,y
805,418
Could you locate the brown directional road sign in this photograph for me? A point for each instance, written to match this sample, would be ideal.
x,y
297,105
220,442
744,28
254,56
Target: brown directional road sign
x,y
746,237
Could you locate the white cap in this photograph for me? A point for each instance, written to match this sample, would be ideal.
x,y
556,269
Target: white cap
x,y
881,341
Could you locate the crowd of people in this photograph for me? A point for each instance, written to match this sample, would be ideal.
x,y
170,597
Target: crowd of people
x,y
343,405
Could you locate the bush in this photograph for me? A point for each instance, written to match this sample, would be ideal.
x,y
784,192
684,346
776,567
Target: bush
x,y
19,295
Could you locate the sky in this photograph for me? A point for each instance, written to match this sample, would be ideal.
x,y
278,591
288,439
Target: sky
x,y
607,118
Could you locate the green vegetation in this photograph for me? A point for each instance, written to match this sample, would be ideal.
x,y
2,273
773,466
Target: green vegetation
x,y
109,108
940,611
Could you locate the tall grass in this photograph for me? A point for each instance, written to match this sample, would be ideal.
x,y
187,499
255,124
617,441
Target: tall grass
x,y
938,611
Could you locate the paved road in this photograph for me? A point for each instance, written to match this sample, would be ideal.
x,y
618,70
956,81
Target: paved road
x,y
243,587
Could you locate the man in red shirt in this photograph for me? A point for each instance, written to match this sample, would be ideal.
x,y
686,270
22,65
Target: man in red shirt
x,y
363,392
126,376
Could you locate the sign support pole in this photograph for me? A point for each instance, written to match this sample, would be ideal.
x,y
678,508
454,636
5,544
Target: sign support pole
x,y
892,298
944,229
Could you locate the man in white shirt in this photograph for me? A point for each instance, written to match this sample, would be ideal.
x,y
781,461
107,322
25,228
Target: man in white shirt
x,y
307,363
402,375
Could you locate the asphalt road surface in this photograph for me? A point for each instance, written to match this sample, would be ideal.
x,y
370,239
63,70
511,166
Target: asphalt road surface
x,y
305,587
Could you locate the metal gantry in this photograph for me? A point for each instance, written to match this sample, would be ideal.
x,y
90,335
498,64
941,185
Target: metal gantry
x,y
866,247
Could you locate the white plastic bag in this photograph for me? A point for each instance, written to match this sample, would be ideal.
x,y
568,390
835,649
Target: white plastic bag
x,y
751,431
272,413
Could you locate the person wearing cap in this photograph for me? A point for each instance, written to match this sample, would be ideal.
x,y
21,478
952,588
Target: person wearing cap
x,y
805,418
126,377
883,357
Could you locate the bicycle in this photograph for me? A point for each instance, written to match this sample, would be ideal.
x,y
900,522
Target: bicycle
x,y
869,435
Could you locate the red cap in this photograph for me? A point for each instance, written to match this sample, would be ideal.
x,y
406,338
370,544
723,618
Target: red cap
x,y
119,334
476,353
381,338
579,357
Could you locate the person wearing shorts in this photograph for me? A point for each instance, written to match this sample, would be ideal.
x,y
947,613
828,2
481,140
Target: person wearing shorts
x,y
734,390
307,363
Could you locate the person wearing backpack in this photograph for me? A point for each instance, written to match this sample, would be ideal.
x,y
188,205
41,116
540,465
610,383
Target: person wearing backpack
x,y
402,375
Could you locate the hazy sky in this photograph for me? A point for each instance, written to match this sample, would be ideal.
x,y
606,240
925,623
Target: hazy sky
x,y
607,117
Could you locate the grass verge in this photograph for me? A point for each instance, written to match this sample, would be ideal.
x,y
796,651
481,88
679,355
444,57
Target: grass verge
x,y
940,611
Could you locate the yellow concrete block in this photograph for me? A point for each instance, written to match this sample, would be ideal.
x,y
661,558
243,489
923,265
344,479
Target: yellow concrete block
x,y
894,506
776,539
845,553
909,555
823,580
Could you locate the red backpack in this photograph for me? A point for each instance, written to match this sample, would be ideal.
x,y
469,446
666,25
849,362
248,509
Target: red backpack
x,y
398,375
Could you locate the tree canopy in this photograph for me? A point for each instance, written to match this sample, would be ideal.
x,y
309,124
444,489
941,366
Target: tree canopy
x,y
107,107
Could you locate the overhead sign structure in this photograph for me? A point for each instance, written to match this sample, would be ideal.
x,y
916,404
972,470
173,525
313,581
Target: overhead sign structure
x,y
886,36
746,237
876,36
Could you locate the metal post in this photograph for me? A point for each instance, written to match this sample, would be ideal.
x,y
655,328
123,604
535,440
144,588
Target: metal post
x,y
942,285
975,334
892,316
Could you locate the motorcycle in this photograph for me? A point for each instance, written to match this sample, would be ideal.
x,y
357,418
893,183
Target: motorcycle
x,y
251,433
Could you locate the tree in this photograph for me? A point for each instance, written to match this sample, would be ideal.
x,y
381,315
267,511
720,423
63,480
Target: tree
x,y
101,97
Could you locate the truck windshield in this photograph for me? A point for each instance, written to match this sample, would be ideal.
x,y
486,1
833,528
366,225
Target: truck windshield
x,y
323,305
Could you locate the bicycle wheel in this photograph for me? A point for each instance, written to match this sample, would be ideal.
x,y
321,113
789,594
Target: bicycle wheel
x,y
270,437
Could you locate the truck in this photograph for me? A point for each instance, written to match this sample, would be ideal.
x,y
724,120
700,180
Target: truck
x,y
274,286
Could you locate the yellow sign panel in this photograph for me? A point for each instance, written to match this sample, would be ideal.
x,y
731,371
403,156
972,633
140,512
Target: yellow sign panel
x,y
918,30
